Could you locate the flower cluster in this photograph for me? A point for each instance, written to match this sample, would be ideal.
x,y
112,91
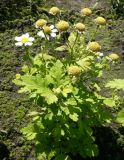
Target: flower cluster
x,y
50,31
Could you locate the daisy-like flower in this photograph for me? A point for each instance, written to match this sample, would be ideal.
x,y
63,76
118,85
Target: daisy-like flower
x,y
114,56
40,23
80,27
74,70
48,32
25,40
94,46
62,26
86,11
54,10
100,21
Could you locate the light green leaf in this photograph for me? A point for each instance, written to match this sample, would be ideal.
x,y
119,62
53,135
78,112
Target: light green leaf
x,y
72,38
56,71
120,117
49,96
109,102
74,117
116,83
65,110
61,48
29,132
62,132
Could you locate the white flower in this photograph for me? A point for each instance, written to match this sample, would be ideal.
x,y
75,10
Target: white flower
x,y
24,40
48,32
101,54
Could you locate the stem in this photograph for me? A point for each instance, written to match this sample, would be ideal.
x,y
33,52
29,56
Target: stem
x,y
93,36
27,56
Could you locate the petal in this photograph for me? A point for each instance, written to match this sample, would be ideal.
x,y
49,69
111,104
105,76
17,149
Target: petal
x,y
52,26
31,39
48,37
41,34
55,30
18,38
101,54
25,35
53,34
28,43
19,44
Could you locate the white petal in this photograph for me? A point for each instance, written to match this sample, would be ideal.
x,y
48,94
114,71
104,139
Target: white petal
x,y
48,37
53,34
19,44
41,34
52,26
31,39
101,54
25,35
55,30
18,38
28,43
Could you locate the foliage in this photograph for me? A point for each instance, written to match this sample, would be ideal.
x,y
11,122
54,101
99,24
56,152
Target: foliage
x,y
118,84
70,102
118,7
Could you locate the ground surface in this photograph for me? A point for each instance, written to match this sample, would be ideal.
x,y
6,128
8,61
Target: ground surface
x,y
14,107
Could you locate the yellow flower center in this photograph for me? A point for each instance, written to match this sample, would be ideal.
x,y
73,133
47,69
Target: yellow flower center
x,y
74,70
24,40
40,23
94,46
63,26
54,10
114,56
100,21
47,30
86,11
80,27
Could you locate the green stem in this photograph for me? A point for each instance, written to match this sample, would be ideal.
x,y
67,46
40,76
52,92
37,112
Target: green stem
x,y
27,56
93,36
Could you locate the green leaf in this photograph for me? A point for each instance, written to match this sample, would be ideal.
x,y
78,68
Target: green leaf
x,y
61,48
116,83
74,117
49,96
51,155
72,38
109,102
29,132
120,117
56,71
18,82
85,63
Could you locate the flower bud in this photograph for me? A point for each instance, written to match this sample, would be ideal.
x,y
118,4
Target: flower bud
x,y
80,27
94,46
40,23
114,56
86,11
74,70
63,26
18,76
54,10
100,21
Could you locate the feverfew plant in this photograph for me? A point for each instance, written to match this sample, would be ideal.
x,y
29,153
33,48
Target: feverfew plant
x,y
67,90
